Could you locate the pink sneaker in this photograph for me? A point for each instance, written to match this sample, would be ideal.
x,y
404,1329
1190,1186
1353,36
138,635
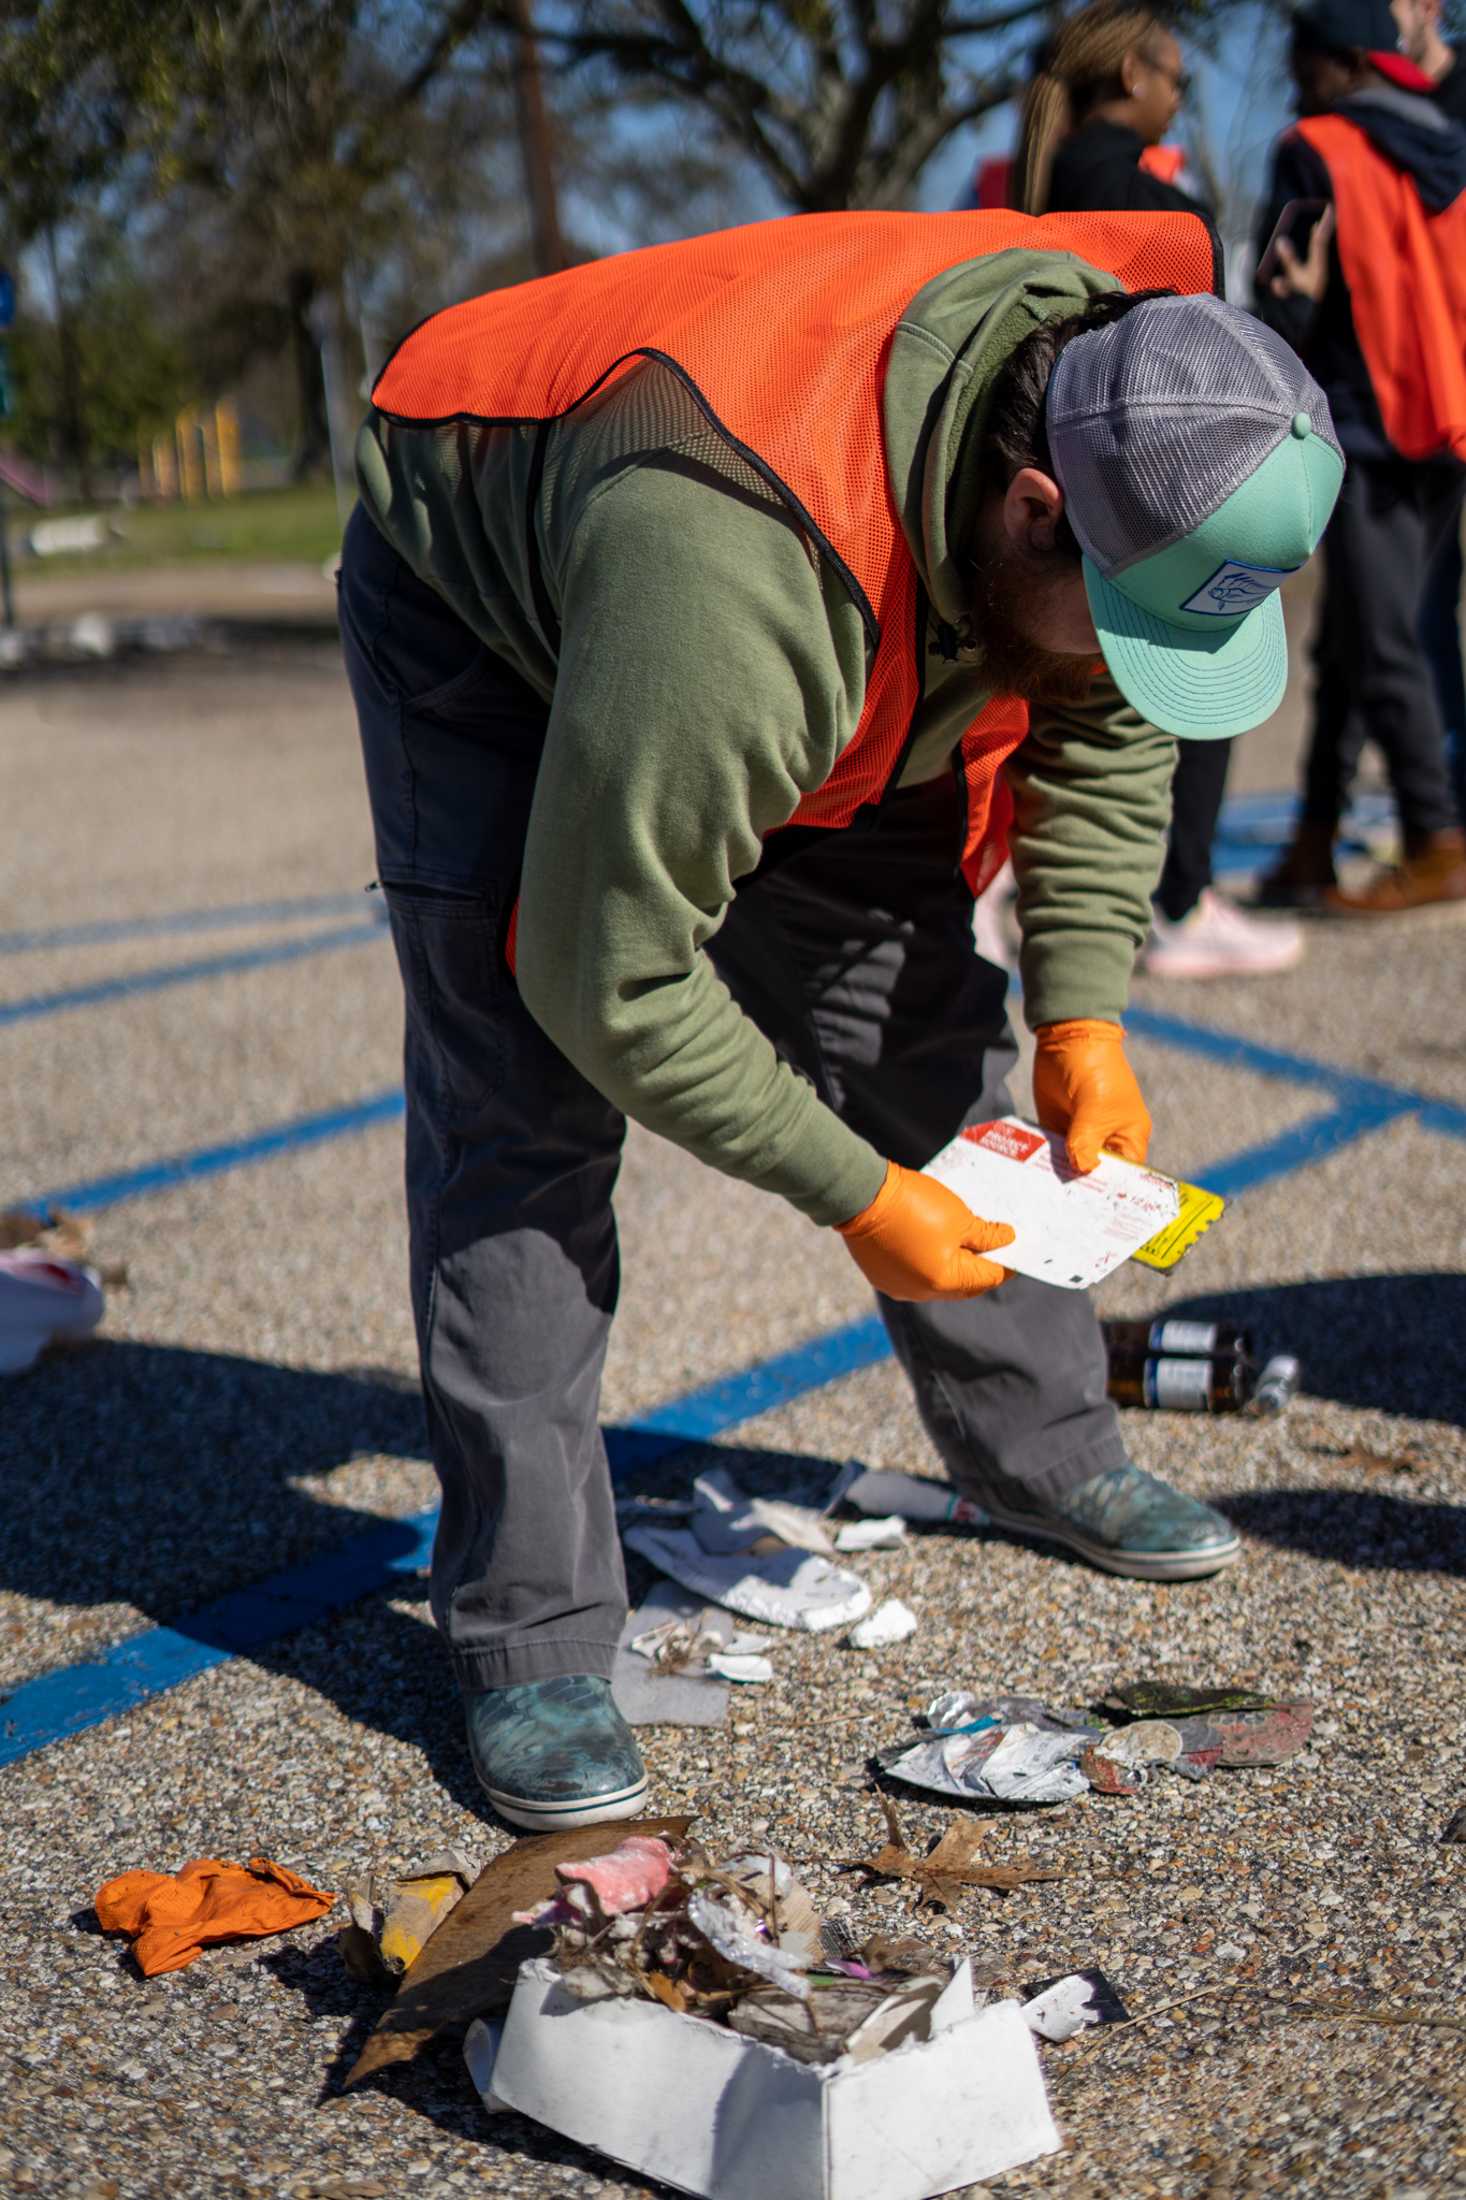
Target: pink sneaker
x,y
1216,939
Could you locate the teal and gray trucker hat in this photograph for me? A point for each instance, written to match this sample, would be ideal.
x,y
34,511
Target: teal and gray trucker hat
x,y
1199,467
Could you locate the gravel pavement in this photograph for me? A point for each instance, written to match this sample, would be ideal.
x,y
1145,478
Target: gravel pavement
x,y
253,1403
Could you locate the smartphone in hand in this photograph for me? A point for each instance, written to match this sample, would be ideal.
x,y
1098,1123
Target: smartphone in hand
x,y
1296,223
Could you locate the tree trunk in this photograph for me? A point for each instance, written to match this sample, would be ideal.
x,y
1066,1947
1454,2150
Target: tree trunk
x,y
76,442
313,435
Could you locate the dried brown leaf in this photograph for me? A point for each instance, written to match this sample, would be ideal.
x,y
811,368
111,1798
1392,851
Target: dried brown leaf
x,y
950,1866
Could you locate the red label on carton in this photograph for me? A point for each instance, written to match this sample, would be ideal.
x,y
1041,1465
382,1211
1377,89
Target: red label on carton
x,y
1009,1139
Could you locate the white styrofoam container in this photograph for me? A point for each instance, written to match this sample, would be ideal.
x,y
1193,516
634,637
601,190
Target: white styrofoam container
x,y
709,2112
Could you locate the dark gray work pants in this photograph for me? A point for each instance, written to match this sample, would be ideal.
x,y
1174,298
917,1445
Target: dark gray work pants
x,y
853,952
1372,678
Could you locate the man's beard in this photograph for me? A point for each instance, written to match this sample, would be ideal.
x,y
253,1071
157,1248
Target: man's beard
x,y
1007,583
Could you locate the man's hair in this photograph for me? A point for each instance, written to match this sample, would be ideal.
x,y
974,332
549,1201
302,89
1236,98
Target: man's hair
x,y
1074,70
1016,430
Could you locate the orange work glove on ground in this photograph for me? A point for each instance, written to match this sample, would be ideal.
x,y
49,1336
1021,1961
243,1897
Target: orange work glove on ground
x,y
917,1240
1084,1087
172,1917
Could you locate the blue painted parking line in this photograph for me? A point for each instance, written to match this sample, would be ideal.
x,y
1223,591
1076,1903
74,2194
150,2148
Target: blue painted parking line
x,y
1256,827
237,1153
228,917
1235,1052
36,1005
1314,1139
149,1663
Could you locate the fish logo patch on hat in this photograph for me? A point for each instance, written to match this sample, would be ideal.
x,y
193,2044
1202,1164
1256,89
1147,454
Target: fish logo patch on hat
x,y
1235,587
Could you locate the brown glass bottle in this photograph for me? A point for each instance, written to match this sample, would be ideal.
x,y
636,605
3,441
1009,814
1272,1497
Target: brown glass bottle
x,y
1173,1383
1177,1339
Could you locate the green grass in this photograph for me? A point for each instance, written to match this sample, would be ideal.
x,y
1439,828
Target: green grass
x,y
266,526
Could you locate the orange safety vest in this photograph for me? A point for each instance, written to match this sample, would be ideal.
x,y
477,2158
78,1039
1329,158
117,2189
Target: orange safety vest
x,y
993,184
781,331
1406,274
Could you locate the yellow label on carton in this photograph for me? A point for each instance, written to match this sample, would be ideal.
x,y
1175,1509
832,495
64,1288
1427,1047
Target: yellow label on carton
x,y
1197,1212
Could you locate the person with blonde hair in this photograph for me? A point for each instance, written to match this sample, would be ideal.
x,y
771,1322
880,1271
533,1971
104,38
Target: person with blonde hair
x,y
1107,88
1108,85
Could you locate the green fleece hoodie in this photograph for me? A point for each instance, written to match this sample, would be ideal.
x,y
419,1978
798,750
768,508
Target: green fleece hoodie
x,y
704,665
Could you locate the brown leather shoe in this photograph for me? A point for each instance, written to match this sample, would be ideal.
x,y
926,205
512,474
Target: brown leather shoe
x,y
1434,870
1303,873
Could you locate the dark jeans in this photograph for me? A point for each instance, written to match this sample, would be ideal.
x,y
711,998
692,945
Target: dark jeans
x,y
852,951
1440,638
1372,681
1196,804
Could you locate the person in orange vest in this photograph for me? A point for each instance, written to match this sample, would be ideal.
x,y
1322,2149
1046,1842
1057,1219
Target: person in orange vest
x,y
1440,624
1367,277
715,615
1107,87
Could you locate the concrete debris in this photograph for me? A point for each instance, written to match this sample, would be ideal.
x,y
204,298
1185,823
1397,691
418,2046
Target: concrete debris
x,y
890,1622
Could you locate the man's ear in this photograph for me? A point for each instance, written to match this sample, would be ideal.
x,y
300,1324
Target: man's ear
x,y
1032,509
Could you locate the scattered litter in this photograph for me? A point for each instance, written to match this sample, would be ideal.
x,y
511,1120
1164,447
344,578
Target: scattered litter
x,y
872,1535
948,1867
1060,2007
468,1968
1105,1776
1015,1764
742,1668
62,1235
1148,1742
1173,1700
1015,1749
764,1557
44,1301
481,2052
628,1877
1456,1826
652,1691
1071,1230
171,1917
890,1622
913,1497
393,1919
690,1644
784,1587
647,2036
1276,1387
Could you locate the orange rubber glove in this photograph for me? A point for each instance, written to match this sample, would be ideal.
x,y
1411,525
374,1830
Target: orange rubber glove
x,y
170,1917
1084,1087
917,1240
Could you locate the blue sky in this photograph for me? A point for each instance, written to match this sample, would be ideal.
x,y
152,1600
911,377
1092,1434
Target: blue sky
x,y
1241,98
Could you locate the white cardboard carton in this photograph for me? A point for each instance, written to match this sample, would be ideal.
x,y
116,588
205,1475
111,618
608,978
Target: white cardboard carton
x,y
702,2109
1071,1230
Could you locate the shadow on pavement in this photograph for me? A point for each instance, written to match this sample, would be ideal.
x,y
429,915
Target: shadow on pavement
x,y
1391,1343
169,1481
1356,1528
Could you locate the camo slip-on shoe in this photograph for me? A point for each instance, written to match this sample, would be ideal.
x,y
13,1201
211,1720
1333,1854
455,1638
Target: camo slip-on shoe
x,y
555,1753
1129,1522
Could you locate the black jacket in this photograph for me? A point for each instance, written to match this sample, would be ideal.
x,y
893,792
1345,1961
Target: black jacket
x,y
1097,171
1450,93
1415,134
